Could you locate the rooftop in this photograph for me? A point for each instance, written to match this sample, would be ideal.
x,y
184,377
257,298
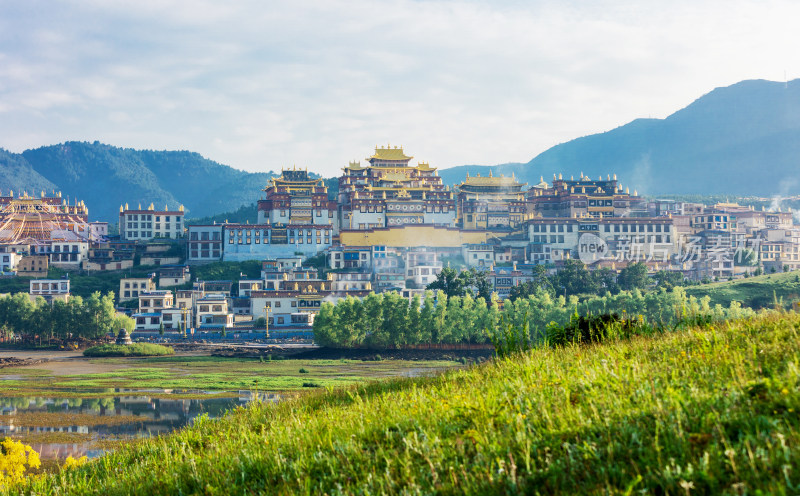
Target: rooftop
x,y
389,153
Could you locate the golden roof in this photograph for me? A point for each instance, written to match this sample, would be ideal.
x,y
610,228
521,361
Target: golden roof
x,y
389,153
490,181
395,176
354,165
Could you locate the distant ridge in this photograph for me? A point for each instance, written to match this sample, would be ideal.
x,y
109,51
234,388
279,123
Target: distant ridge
x,y
740,139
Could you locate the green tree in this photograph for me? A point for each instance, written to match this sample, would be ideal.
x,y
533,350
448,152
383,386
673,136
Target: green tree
x,y
449,281
745,258
668,279
477,282
573,279
606,280
325,326
634,276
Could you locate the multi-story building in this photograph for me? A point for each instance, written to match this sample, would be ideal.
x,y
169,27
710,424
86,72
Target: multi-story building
x,y
33,266
478,255
211,311
155,301
779,249
585,197
204,243
68,254
421,267
259,241
173,275
620,238
247,286
296,199
503,279
491,202
144,225
352,280
130,287
390,192
49,289
177,319
350,257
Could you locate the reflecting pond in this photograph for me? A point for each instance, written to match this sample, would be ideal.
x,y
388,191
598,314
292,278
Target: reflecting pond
x,y
58,427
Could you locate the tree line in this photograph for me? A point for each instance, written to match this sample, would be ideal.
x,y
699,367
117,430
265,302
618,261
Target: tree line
x,y
36,321
573,279
388,320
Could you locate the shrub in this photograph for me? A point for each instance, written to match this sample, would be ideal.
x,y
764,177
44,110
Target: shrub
x,y
121,350
310,384
303,371
595,329
15,459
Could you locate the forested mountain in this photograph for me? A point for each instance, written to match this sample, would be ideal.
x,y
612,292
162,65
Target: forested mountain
x,y
105,176
741,139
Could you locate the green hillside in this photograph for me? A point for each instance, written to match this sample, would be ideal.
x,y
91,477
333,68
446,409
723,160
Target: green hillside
x,y
754,292
708,410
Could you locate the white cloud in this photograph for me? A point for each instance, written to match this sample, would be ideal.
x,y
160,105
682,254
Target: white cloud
x,y
262,85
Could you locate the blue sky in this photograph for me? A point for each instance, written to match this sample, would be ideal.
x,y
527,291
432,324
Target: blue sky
x,y
260,85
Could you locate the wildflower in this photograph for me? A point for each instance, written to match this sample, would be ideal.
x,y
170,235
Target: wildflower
x,y
784,391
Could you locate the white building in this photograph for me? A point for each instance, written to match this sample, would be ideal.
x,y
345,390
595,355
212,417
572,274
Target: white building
x,y
144,225
211,311
68,254
49,289
8,262
155,301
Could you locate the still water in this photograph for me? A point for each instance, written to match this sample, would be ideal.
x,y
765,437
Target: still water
x,y
61,427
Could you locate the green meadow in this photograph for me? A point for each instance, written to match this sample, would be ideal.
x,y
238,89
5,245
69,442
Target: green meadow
x,y
754,292
704,410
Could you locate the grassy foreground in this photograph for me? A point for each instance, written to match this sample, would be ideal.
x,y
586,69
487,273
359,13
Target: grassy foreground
x,y
701,411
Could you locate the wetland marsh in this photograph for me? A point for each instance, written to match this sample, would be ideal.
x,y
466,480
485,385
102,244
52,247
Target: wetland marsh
x,y
71,405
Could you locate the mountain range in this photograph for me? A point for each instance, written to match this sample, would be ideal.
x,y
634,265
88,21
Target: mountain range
x,y
742,139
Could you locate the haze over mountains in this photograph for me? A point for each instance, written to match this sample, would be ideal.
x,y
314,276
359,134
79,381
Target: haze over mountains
x,y
742,139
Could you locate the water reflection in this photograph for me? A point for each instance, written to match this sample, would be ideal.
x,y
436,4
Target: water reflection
x,y
129,414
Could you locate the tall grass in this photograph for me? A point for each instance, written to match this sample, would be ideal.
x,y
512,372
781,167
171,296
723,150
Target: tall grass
x,y
701,410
